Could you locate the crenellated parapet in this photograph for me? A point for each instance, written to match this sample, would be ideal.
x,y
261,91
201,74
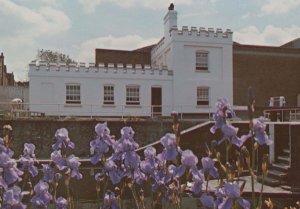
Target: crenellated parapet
x,y
201,32
158,45
81,67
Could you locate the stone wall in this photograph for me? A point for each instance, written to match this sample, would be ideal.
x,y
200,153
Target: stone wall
x,y
41,133
7,93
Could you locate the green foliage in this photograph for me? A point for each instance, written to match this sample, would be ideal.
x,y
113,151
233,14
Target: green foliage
x,y
50,56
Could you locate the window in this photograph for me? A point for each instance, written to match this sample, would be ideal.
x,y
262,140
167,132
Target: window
x,y
201,60
108,94
203,96
132,95
73,94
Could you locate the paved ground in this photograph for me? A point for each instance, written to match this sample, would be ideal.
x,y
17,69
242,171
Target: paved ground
x,y
257,187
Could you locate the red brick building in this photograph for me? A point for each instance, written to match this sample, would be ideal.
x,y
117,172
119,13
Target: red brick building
x,y
6,79
271,71
138,56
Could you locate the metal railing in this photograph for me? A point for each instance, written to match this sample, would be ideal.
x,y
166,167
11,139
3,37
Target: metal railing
x,y
283,114
100,110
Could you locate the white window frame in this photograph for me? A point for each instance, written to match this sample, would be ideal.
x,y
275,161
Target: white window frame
x,y
73,93
201,60
108,94
132,95
203,96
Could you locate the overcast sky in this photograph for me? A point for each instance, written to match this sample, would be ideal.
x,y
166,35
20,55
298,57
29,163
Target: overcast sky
x,y
77,27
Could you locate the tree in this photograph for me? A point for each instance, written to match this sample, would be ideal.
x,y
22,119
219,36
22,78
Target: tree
x,y
50,56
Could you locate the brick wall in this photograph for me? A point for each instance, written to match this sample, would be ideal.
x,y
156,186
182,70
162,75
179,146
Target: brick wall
x,y
271,71
126,57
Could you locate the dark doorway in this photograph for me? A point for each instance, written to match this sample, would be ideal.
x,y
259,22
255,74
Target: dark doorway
x,y
156,101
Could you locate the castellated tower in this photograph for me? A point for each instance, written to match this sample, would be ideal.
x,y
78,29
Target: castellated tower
x,y
170,20
201,61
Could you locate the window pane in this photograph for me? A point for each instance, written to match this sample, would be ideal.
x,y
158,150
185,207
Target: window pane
x,y
132,95
108,97
202,96
73,94
201,60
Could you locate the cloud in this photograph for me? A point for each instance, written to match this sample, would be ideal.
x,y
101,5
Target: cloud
x,y
129,42
270,35
279,6
45,20
90,6
21,29
50,2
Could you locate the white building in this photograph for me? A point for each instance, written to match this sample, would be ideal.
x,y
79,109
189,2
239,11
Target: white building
x,y
190,69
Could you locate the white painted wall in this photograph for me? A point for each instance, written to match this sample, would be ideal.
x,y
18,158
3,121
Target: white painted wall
x,y
174,55
43,81
179,48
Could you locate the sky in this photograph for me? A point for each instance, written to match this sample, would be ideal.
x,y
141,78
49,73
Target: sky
x,y
78,27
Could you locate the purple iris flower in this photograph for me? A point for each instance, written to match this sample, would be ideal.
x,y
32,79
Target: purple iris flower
x,y
232,192
198,180
4,149
220,195
29,150
148,167
48,173
131,160
162,179
259,128
110,201
139,176
28,159
98,149
223,108
99,176
10,171
100,145
170,151
219,122
208,167
103,132
223,105
42,197
230,133
28,165
127,132
150,152
3,184
12,199
62,140
61,203
73,164
207,201
188,161
151,162
113,171
57,158
125,144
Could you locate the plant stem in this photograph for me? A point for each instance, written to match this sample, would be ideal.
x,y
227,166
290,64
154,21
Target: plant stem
x,y
25,180
207,180
134,197
261,191
104,190
253,167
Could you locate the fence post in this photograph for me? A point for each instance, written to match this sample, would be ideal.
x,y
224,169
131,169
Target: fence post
x,y
151,107
58,109
91,111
